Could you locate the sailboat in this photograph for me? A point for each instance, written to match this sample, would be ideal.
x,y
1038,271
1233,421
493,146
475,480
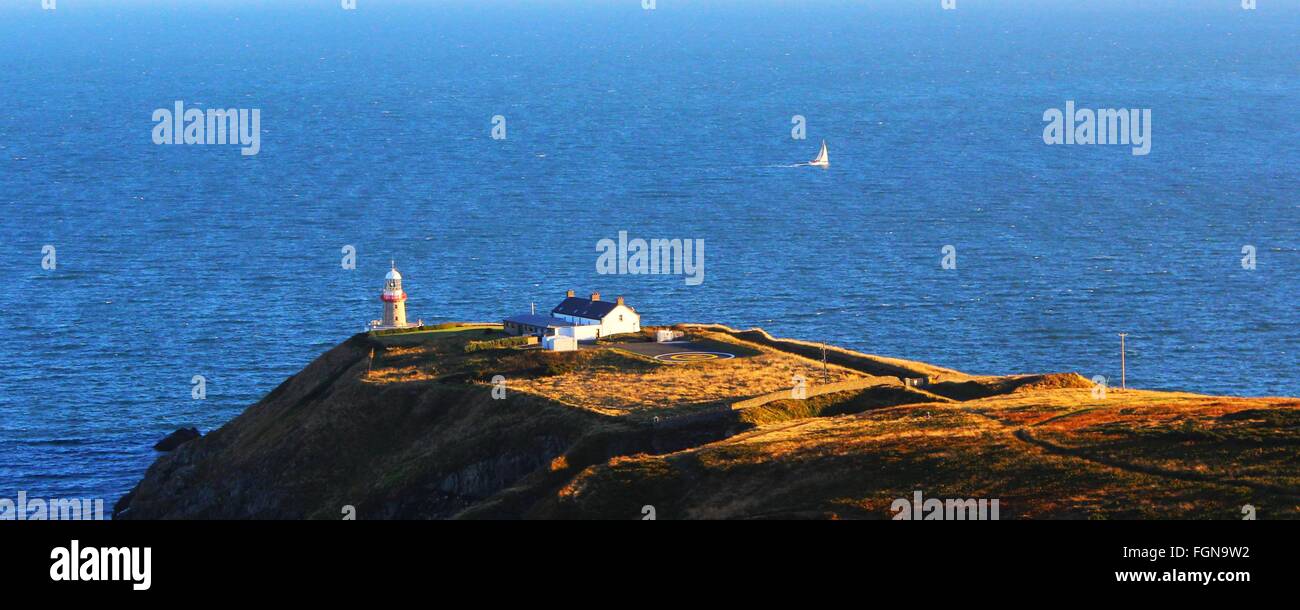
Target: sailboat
x,y
822,159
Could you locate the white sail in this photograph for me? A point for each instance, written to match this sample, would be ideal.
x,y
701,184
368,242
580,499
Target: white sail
x,y
823,159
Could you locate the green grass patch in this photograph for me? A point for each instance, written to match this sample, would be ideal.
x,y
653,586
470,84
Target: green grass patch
x,y
502,343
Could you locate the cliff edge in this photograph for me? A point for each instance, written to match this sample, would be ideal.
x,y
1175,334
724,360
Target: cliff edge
x,y
456,421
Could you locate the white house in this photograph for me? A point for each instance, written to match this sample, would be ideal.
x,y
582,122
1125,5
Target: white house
x,y
582,319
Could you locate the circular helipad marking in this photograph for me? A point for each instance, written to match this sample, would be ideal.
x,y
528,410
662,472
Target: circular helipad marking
x,y
694,356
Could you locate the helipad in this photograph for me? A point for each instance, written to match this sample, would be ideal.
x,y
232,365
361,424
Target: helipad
x,y
684,357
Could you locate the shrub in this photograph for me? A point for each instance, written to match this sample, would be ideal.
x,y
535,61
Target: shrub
x,y
560,364
502,343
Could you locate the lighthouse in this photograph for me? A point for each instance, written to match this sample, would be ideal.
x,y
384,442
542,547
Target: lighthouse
x,y
394,299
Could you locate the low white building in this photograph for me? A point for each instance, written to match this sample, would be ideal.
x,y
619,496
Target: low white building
x,y
560,343
667,336
583,319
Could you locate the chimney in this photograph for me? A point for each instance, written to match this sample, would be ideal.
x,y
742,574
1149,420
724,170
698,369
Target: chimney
x,y
620,300
595,296
569,294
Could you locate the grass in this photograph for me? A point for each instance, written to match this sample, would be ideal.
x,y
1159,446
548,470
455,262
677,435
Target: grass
x,y
500,343
1042,444
1132,455
607,380
428,354
867,363
446,327
836,403
637,386
405,426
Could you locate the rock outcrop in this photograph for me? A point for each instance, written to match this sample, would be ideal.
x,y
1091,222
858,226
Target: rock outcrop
x,y
174,440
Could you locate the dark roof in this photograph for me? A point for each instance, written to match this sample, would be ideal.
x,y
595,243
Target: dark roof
x,y
528,319
584,308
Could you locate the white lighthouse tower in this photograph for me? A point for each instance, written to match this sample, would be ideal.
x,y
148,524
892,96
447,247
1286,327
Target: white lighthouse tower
x,y
394,299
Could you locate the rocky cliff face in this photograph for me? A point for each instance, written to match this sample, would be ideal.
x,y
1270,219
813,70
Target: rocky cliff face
x,y
326,439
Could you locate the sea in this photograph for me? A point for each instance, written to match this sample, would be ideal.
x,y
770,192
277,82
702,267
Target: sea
x,y
486,148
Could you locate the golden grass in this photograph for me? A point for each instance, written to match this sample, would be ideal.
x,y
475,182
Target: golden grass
x,y
661,389
913,367
1044,445
405,374
1134,454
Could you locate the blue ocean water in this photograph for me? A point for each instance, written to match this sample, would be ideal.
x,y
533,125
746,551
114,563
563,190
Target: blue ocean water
x,y
175,261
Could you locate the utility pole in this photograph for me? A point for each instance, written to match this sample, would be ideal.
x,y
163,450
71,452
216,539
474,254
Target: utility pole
x,y
1123,372
826,374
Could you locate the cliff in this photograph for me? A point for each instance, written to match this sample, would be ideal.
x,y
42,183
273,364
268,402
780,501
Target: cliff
x,y
406,425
